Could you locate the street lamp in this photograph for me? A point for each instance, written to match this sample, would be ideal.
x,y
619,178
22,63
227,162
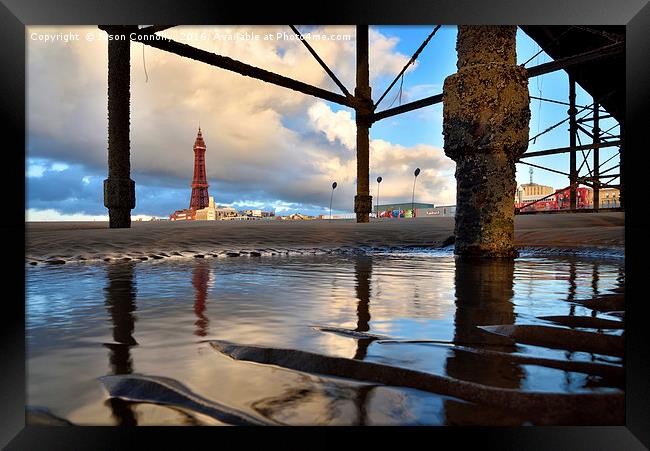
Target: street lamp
x,y
416,173
332,197
379,179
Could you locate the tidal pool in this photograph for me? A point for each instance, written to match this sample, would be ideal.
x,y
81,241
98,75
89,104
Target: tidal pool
x,y
154,318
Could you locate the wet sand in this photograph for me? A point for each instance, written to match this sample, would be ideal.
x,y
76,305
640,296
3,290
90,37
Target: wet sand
x,y
75,241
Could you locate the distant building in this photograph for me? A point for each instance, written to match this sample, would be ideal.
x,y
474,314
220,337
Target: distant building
x,y
610,198
183,215
253,213
584,199
210,213
298,216
444,210
400,210
225,213
554,200
530,192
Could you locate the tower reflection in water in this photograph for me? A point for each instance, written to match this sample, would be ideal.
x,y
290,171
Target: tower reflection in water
x,y
200,280
120,293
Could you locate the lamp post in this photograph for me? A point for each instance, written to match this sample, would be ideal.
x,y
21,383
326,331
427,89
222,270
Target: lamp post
x,y
379,179
332,197
416,173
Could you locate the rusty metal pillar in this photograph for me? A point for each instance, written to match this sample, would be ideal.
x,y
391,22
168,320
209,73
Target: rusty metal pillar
x,y
621,187
363,109
573,132
486,111
119,189
596,141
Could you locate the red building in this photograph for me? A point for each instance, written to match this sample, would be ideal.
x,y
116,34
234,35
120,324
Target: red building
x,y
560,200
183,215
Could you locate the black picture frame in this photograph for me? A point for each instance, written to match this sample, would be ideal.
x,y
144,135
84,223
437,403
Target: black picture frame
x,y
16,14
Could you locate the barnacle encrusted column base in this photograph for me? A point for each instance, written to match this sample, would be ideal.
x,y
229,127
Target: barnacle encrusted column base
x,y
485,127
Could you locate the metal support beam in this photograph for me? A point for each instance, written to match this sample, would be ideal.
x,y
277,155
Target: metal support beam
x,y
573,131
589,119
622,165
322,63
119,189
540,153
427,101
596,141
532,72
543,99
154,29
364,108
564,63
410,61
543,168
223,62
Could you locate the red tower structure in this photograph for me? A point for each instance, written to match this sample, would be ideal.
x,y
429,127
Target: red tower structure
x,y
200,198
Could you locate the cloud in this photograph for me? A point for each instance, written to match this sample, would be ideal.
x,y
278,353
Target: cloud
x,y
265,144
337,126
394,162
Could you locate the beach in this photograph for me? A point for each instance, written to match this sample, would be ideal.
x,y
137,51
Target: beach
x,y
63,242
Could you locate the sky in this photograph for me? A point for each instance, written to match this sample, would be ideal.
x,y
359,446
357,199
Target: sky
x,y
268,147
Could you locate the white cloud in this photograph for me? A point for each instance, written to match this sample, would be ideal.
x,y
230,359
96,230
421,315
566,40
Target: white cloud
x,y
34,215
394,162
337,126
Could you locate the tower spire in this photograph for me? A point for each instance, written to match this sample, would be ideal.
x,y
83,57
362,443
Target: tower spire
x,y
200,197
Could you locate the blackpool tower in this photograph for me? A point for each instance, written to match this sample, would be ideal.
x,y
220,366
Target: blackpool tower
x,y
200,198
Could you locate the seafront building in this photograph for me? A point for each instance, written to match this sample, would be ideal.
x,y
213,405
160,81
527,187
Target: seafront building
x,y
535,197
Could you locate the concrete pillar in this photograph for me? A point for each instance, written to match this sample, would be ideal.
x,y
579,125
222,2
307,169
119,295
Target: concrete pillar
x,y
119,189
485,127
363,109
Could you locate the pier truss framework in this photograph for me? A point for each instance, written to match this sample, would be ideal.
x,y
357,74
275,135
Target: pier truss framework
x,y
592,56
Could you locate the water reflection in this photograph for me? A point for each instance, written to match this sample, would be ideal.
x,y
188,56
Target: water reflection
x,y
273,302
484,292
571,293
120,294
200,279
362,276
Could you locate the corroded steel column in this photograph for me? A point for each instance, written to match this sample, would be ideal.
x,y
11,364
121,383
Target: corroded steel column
x,y
621,188
363,108
486,114
596,141
573,133
119,189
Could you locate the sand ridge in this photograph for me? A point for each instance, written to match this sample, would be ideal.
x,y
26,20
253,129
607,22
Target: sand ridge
x,y
93,241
